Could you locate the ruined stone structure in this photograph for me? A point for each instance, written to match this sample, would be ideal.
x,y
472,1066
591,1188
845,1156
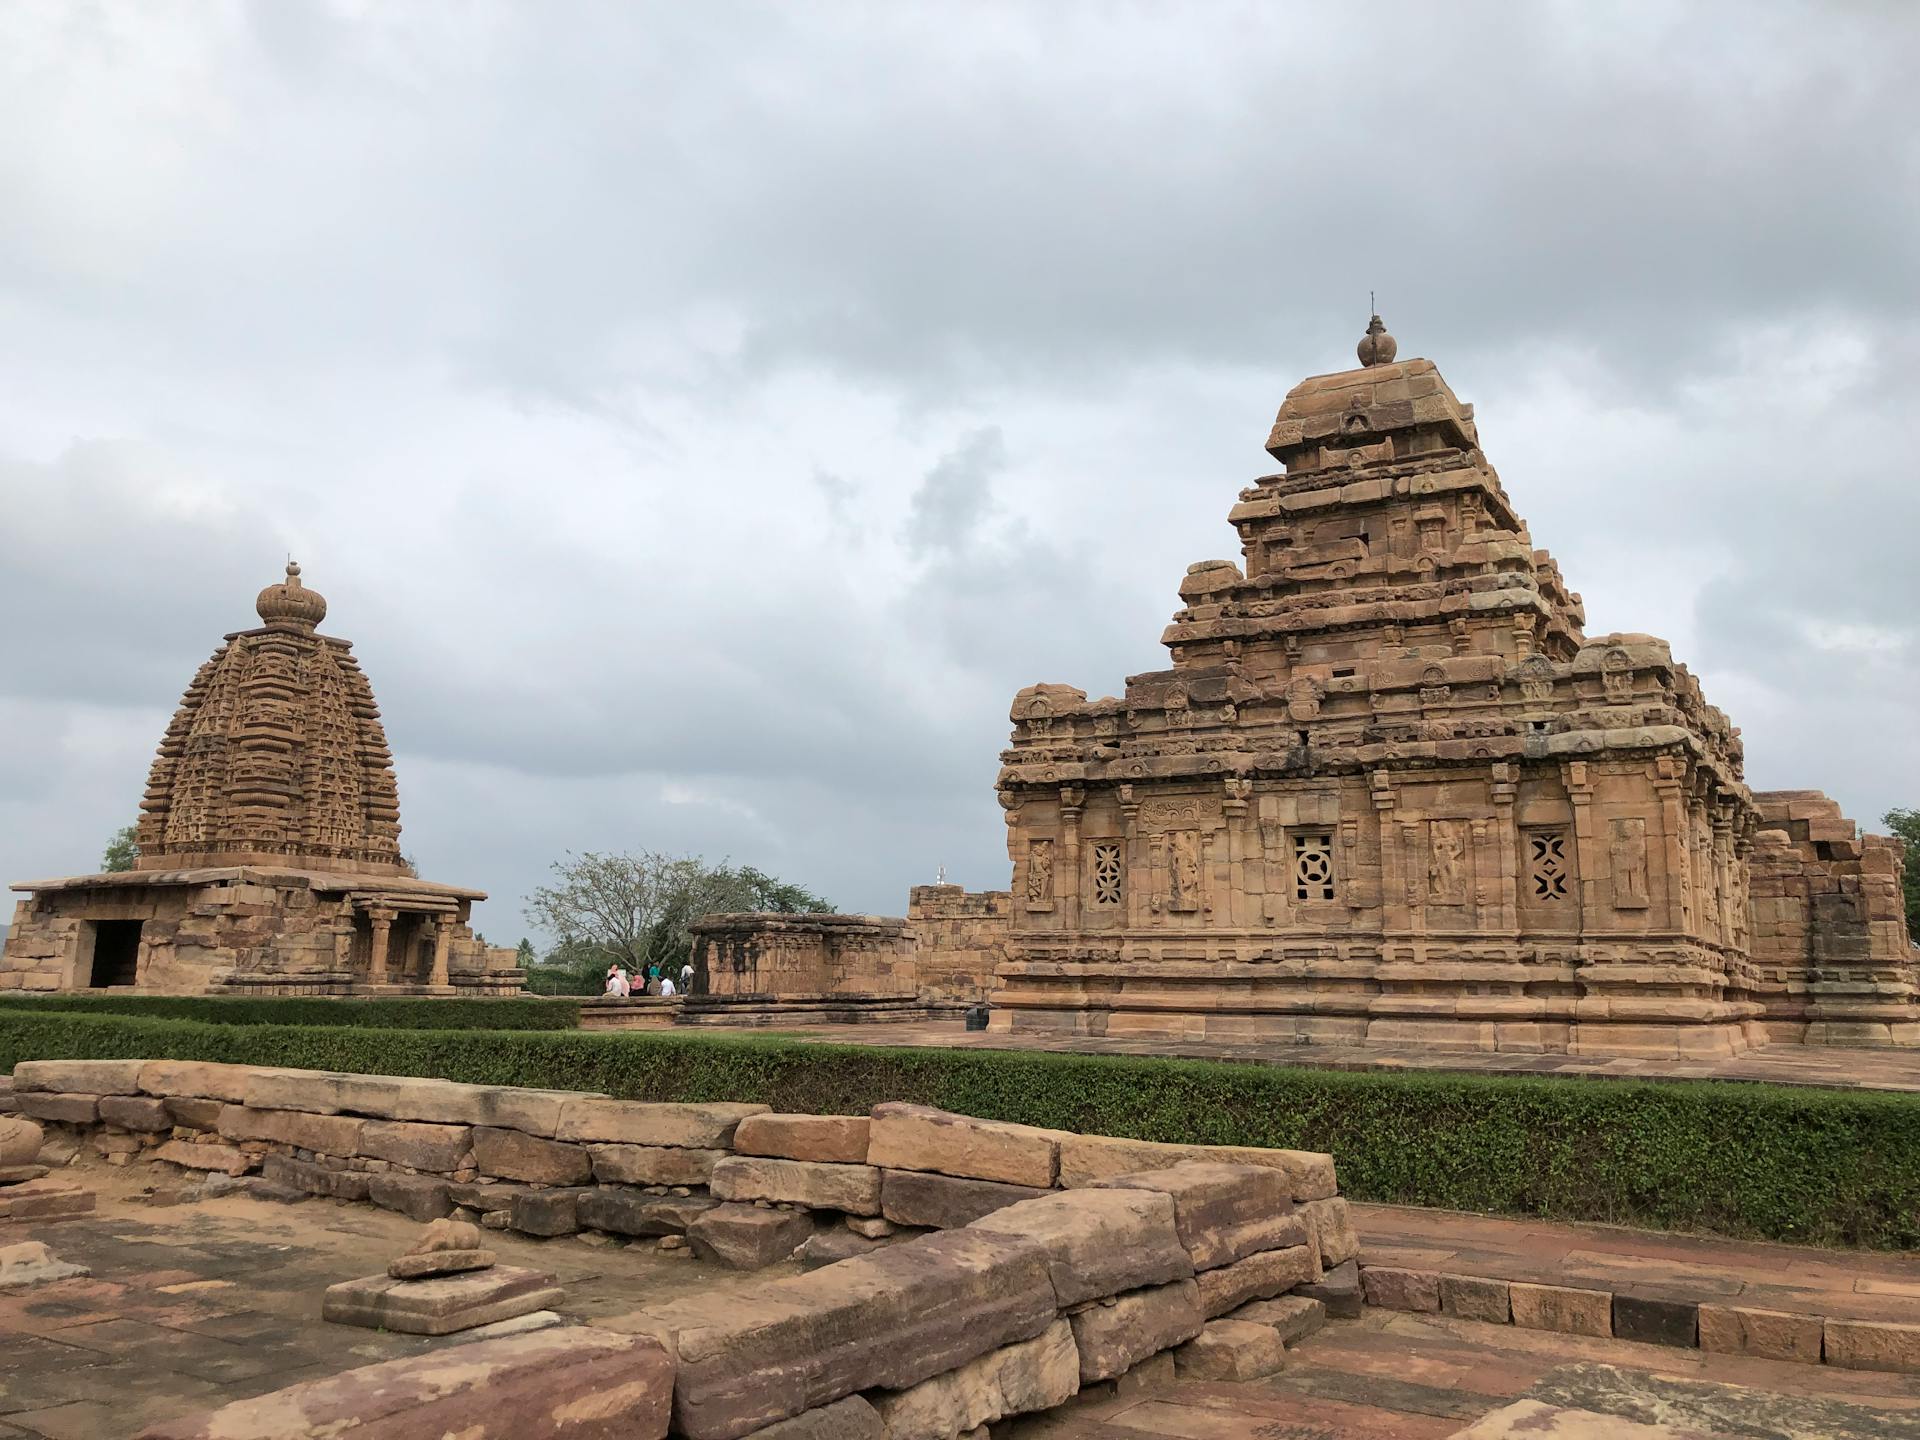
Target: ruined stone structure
x,y
269,857
959,940
1390,791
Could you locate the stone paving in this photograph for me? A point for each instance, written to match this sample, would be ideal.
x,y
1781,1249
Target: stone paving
x,y
1834,1068
193,1305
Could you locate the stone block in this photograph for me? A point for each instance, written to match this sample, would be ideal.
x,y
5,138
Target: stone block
x,y
440,1262
32,1263
632,1212
92,1078
1086,1159
1292,1317
1117,1334
1475,1297
68,1109
14,1174
441,1306
1654,1321
945,1202
1338,1290
1028,1375
747,1237
135,1112
1098,1242
1768,1334
197,1080
1873,1345
1258,1277
47,1199
416,1144
574,1381
883,1321
227,1159
849,1419
833,1139
852,1189
919,1137
832,1244
315,1179
192,1113
482,1195
635,1122
1231,1350
329,1134
404,1097
1224,1212
418,1197
514,1155
653,1164
547,1212
1330,1222
1570,1310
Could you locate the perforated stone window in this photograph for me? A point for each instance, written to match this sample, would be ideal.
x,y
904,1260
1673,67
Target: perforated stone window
x,y
1313,865
1547,865
1106,872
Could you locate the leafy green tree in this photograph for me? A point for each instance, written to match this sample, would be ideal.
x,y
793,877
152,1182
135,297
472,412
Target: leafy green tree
x,y
121,851
1906,824
524,956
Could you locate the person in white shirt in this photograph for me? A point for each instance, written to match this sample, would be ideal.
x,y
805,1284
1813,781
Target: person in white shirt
x,y
666,985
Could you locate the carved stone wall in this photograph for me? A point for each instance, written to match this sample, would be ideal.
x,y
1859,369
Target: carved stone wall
x,y
1389,790
802,956
959,940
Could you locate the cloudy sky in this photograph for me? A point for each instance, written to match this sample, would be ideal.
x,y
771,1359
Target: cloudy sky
x,y
703,418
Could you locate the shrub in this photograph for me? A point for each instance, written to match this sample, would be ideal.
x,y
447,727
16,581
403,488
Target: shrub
x,y
399,1013
1799,1164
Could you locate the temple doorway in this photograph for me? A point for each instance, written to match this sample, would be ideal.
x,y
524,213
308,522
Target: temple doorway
x,y
116,953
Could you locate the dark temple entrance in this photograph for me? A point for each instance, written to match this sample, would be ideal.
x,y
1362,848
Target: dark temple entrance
x,y
116,952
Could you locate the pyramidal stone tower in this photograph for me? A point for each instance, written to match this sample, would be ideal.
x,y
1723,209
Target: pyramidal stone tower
x,y
269,846
1391,792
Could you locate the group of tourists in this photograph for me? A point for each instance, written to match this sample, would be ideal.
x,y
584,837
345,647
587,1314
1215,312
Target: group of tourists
x,y
656,981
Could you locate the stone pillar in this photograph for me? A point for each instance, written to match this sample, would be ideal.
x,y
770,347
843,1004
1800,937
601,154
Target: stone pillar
x,y
1506,839
382,921
1066,875
1587,846
1670,776
442,942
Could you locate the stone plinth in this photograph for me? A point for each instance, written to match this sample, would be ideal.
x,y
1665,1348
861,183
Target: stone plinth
x,y
440,1306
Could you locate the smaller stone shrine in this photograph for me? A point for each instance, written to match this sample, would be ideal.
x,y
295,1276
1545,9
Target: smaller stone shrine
x,y
269,847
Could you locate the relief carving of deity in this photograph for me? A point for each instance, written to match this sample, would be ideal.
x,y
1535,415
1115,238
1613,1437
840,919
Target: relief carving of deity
x,y
1183,870
1446,878
1040,872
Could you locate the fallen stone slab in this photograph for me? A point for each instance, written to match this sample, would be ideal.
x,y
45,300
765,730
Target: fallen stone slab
x,y
1098,1242
1338,1290
314,1178
135,1112
418,1197
1258,1277
416,1144
1086,1159
1330,1224
833,1139
747,1237
653,1164
1035,1374
1117,1334
635,1122
571,1381
227,1159
511,1155
68,1109
945,1202
852,1189
1292,1317
633,1212
328,1134
31,1263
883,1321
440,1306
919,1137
1231,1350
92,1078
1224,1212
849,1419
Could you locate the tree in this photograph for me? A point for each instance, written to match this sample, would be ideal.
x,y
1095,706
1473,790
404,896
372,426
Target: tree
x,y
121,851
635,910
524,956
1906,824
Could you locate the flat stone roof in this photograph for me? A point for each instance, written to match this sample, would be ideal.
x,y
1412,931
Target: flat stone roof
x,y
255,875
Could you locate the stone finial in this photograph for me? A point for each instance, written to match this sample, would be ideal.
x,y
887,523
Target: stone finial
x,y
1377,347
291,603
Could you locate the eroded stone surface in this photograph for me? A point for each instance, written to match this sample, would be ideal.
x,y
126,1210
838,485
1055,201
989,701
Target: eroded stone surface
x,y
1231,1350
511,1155
1557,1307
854,1189
1224,1212
838,1139
1770,1334
1258,1277
919,1137
747,1237
1098,1242
442,1305
1293,1317
653,1164
30,1263
1035,1374
632,1122
1117,1334
945,1202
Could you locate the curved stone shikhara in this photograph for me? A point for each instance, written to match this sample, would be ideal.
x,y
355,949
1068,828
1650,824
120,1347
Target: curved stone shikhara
x,y
1391,792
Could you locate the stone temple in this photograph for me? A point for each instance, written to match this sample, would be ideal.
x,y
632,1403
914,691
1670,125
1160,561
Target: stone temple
x,y
269,847
1391,792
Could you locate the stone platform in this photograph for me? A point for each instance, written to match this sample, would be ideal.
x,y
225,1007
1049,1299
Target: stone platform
x,y
1829,1067
443,1305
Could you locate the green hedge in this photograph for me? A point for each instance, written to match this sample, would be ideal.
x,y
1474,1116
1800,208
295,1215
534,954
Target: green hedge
x,y
1813,1166
504,1013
